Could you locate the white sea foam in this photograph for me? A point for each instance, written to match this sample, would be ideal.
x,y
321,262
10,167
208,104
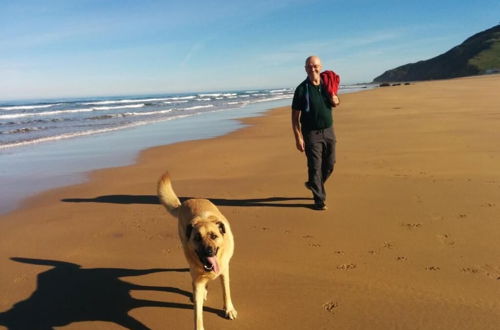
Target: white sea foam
x,y
149,113
126,101
198,107
175,102
28,107
190,97
278,90
210,95
61,112
120,107
276,98
44,113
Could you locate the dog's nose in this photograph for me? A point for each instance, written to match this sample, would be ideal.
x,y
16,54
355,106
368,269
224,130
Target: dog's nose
x,y
209,251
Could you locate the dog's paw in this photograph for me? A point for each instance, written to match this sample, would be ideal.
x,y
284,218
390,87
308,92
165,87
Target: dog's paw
x,y
231,313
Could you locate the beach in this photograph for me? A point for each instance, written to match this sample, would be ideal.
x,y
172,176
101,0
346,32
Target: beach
x,y
410,239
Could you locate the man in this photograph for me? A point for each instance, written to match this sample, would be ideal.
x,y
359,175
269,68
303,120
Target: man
x,y
312,124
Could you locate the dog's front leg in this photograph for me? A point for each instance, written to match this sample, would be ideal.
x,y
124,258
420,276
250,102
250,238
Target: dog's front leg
x,y
199,294
231,313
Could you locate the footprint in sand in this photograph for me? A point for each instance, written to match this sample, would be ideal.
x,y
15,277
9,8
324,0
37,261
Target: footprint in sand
x,y
470,270
388,245
487,270
488,205
316,245
445,239
311,244
330,306
491,271
346,267
412,226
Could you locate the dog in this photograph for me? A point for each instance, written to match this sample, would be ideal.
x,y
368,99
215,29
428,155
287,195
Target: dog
x,y
208,245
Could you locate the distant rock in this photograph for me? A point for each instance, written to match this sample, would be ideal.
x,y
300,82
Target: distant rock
x,y
479,54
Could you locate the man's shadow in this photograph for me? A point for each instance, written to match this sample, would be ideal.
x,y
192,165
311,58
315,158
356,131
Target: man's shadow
x,y
68,293
153,199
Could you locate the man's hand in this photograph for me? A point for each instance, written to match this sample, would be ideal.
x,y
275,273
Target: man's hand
x,y
299,142
335,100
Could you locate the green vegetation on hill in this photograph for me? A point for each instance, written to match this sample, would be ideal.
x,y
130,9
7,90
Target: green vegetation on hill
x,y
478,54
488,59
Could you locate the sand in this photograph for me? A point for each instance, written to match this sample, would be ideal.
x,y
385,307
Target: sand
x,y
410,239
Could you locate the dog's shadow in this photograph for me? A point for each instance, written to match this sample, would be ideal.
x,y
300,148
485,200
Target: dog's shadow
x,y
68,293
153,199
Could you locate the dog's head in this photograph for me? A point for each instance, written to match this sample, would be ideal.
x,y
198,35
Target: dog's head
x,y
206,238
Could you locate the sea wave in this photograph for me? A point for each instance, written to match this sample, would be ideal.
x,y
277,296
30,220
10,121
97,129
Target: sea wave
x,y
22,130
279,90
64,136
198,107
28,107
121,107
176,102
44,113
125,101
67,111
215,95
275,98
149,113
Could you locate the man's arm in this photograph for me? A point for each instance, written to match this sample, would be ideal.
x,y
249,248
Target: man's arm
x,y
299,141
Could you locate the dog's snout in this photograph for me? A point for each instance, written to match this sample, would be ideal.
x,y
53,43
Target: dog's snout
x,y
209,251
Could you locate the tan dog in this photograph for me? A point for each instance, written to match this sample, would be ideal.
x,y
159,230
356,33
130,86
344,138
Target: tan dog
x,y
208,245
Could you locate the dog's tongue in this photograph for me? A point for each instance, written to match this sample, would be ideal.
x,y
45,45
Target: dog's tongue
x,y
215,265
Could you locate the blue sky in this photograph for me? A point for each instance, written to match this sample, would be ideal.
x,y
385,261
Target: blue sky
x,y
64,48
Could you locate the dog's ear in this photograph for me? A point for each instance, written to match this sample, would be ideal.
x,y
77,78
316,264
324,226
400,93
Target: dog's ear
x,y
222,228
189,230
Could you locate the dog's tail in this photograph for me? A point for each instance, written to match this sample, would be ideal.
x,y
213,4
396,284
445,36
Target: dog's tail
x,y
167,195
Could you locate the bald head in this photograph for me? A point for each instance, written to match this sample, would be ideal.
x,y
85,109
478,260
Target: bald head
x,y
313,68
313,58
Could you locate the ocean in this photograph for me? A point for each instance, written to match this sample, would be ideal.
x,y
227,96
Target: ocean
x,y
46,144
23,123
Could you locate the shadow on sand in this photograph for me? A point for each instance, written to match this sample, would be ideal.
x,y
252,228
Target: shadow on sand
x,y
153,199
68,293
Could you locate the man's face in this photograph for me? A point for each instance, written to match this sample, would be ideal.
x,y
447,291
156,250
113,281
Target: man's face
x,y
313,68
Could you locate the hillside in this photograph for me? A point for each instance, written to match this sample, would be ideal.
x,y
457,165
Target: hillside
x,y
478,54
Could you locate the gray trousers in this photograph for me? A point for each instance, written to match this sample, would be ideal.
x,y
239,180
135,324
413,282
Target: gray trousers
x,y
320,153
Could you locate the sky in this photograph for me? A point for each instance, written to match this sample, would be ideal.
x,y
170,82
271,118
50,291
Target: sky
x,y
77,48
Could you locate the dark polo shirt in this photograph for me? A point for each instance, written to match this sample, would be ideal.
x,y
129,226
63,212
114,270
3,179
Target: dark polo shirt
x,y
313,102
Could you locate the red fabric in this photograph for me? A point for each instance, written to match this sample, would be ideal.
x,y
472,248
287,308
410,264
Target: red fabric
x,y
331,81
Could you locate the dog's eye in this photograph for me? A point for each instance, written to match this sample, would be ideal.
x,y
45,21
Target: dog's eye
x,y
213,236
197,237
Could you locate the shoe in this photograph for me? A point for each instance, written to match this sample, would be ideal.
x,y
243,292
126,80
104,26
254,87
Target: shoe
x,y
307,185
320,207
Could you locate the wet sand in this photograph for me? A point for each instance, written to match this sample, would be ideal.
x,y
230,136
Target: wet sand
x,y
410,239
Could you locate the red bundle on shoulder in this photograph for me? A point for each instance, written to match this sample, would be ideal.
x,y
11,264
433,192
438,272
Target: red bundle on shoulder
x,y
331,81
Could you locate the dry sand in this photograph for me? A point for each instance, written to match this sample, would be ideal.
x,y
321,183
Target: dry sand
x,y
411,239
